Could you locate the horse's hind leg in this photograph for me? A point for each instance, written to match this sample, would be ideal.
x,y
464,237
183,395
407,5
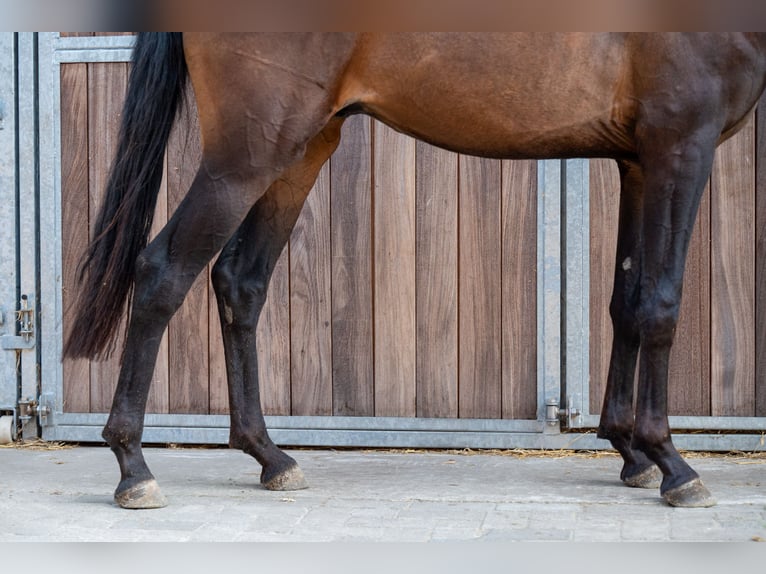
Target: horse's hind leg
x,y
236,169
676,169
209,214
241,278
617,413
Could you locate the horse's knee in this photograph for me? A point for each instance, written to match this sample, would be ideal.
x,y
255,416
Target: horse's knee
x,y
657,322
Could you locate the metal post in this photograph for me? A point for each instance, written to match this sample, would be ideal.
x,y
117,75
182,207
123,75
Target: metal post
x,y
549,178
576,300
8,303
28,205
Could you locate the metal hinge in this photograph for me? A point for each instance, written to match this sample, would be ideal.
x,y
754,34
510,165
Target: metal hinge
x,y
25,319
554,414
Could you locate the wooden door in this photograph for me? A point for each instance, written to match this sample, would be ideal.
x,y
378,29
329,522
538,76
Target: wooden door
x,y
408,287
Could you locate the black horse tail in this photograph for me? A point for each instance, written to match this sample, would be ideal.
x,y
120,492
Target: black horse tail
x,y
155,93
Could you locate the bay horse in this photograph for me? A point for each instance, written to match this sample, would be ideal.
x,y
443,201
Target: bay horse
x,y
271,108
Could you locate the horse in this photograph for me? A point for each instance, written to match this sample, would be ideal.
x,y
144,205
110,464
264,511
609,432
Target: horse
x,y
271,107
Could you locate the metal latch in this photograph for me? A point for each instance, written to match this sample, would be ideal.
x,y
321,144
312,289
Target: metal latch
x,y
29,408
554,413
25,317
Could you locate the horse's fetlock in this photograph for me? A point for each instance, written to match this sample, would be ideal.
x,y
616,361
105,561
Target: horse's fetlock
x,y
119,434
651,438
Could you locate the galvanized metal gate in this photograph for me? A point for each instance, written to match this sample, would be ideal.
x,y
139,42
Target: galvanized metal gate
x,y
20,194
562,303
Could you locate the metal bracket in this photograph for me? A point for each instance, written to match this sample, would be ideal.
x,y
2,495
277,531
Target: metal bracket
x,y
15,343
554,414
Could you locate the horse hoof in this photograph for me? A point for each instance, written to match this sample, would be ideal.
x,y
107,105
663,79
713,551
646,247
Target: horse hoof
x,y
650,477
693,494
145,494
290,479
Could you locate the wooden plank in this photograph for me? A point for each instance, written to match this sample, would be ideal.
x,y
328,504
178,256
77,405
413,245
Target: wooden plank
x,y
436,282
273,341
310,303
480,365
689,369
519,289
352,343
188,329
106,93
74,216
219,395
159,393
733,276
604,216
760,262
394,272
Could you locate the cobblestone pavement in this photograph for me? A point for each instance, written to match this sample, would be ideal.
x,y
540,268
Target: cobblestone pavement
x,y
214,495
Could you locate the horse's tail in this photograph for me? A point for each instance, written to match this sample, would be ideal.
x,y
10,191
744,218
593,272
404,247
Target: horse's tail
x,y
155,93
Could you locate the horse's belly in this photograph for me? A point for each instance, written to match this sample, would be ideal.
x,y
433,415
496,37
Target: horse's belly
x,y
500,95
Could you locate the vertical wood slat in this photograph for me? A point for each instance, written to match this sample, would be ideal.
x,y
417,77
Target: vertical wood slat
x,y
604,211
106,92
519,289
689,368
352,342
733,277
760,263
273,341
480,363
159,392
75,223
188,329
219,394
436,282
310,304
394,273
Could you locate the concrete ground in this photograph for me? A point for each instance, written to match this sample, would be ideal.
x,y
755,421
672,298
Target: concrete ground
x,y
214,495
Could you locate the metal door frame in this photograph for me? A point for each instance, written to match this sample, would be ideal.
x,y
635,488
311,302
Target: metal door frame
x,y
563,267
8,233
22,166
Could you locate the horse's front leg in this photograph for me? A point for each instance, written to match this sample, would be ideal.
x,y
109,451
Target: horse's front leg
x,y
241,278
616,423
676,169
